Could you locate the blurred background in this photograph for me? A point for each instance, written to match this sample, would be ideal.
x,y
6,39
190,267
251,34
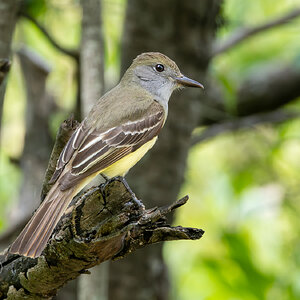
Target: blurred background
x,y
234,148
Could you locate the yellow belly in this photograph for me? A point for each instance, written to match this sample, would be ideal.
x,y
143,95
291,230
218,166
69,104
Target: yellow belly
x,y
122,166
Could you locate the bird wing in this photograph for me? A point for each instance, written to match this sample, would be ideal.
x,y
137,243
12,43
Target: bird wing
x,y
94,151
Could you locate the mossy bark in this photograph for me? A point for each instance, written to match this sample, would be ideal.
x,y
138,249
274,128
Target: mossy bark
x,y
105,222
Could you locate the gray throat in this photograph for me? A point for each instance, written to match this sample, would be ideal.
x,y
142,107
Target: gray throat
x,y
160,90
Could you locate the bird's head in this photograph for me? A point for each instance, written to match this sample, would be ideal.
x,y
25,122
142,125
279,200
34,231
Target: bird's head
x,y
158,74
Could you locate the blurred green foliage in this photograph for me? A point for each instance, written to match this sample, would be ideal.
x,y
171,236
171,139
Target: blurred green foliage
x,y
60,84
35,8
270,48
244,187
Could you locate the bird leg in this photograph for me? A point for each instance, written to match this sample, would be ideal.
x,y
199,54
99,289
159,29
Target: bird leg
x,y
106,178
126,185
128,188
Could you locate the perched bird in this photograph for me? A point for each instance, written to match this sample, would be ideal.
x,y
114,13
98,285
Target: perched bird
x,y
121,127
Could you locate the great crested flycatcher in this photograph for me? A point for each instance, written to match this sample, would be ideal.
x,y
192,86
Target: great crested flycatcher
x,y
121,127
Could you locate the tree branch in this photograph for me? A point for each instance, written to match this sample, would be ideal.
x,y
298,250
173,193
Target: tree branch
x,y
70,52
248,122
91,55
38,142
242,34
106,222
259,100
91,88
266,90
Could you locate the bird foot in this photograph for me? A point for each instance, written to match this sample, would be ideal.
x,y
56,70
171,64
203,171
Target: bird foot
x,y
125,183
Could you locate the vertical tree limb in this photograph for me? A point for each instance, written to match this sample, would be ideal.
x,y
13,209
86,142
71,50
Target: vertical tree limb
x,y
38,142
64,133
8,19
92,87
183,30
91,54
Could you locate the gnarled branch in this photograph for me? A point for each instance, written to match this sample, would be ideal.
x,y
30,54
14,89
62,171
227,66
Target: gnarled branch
x,y
106,222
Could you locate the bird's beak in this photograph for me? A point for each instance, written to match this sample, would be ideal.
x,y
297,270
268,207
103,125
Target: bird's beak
x,y
185,81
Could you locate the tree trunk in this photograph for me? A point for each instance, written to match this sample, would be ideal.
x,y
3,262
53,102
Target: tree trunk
x,y
93,286
183,30
38,142
91,54
105,222
8,18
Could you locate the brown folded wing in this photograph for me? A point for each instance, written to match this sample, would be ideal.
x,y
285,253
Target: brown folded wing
x,y
95,151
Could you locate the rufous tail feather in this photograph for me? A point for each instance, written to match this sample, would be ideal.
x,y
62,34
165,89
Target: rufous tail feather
x,y
34,237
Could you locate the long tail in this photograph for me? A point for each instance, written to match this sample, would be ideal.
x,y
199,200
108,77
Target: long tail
x,y
34,237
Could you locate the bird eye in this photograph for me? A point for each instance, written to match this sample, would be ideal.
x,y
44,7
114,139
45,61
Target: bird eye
x,y
159,68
